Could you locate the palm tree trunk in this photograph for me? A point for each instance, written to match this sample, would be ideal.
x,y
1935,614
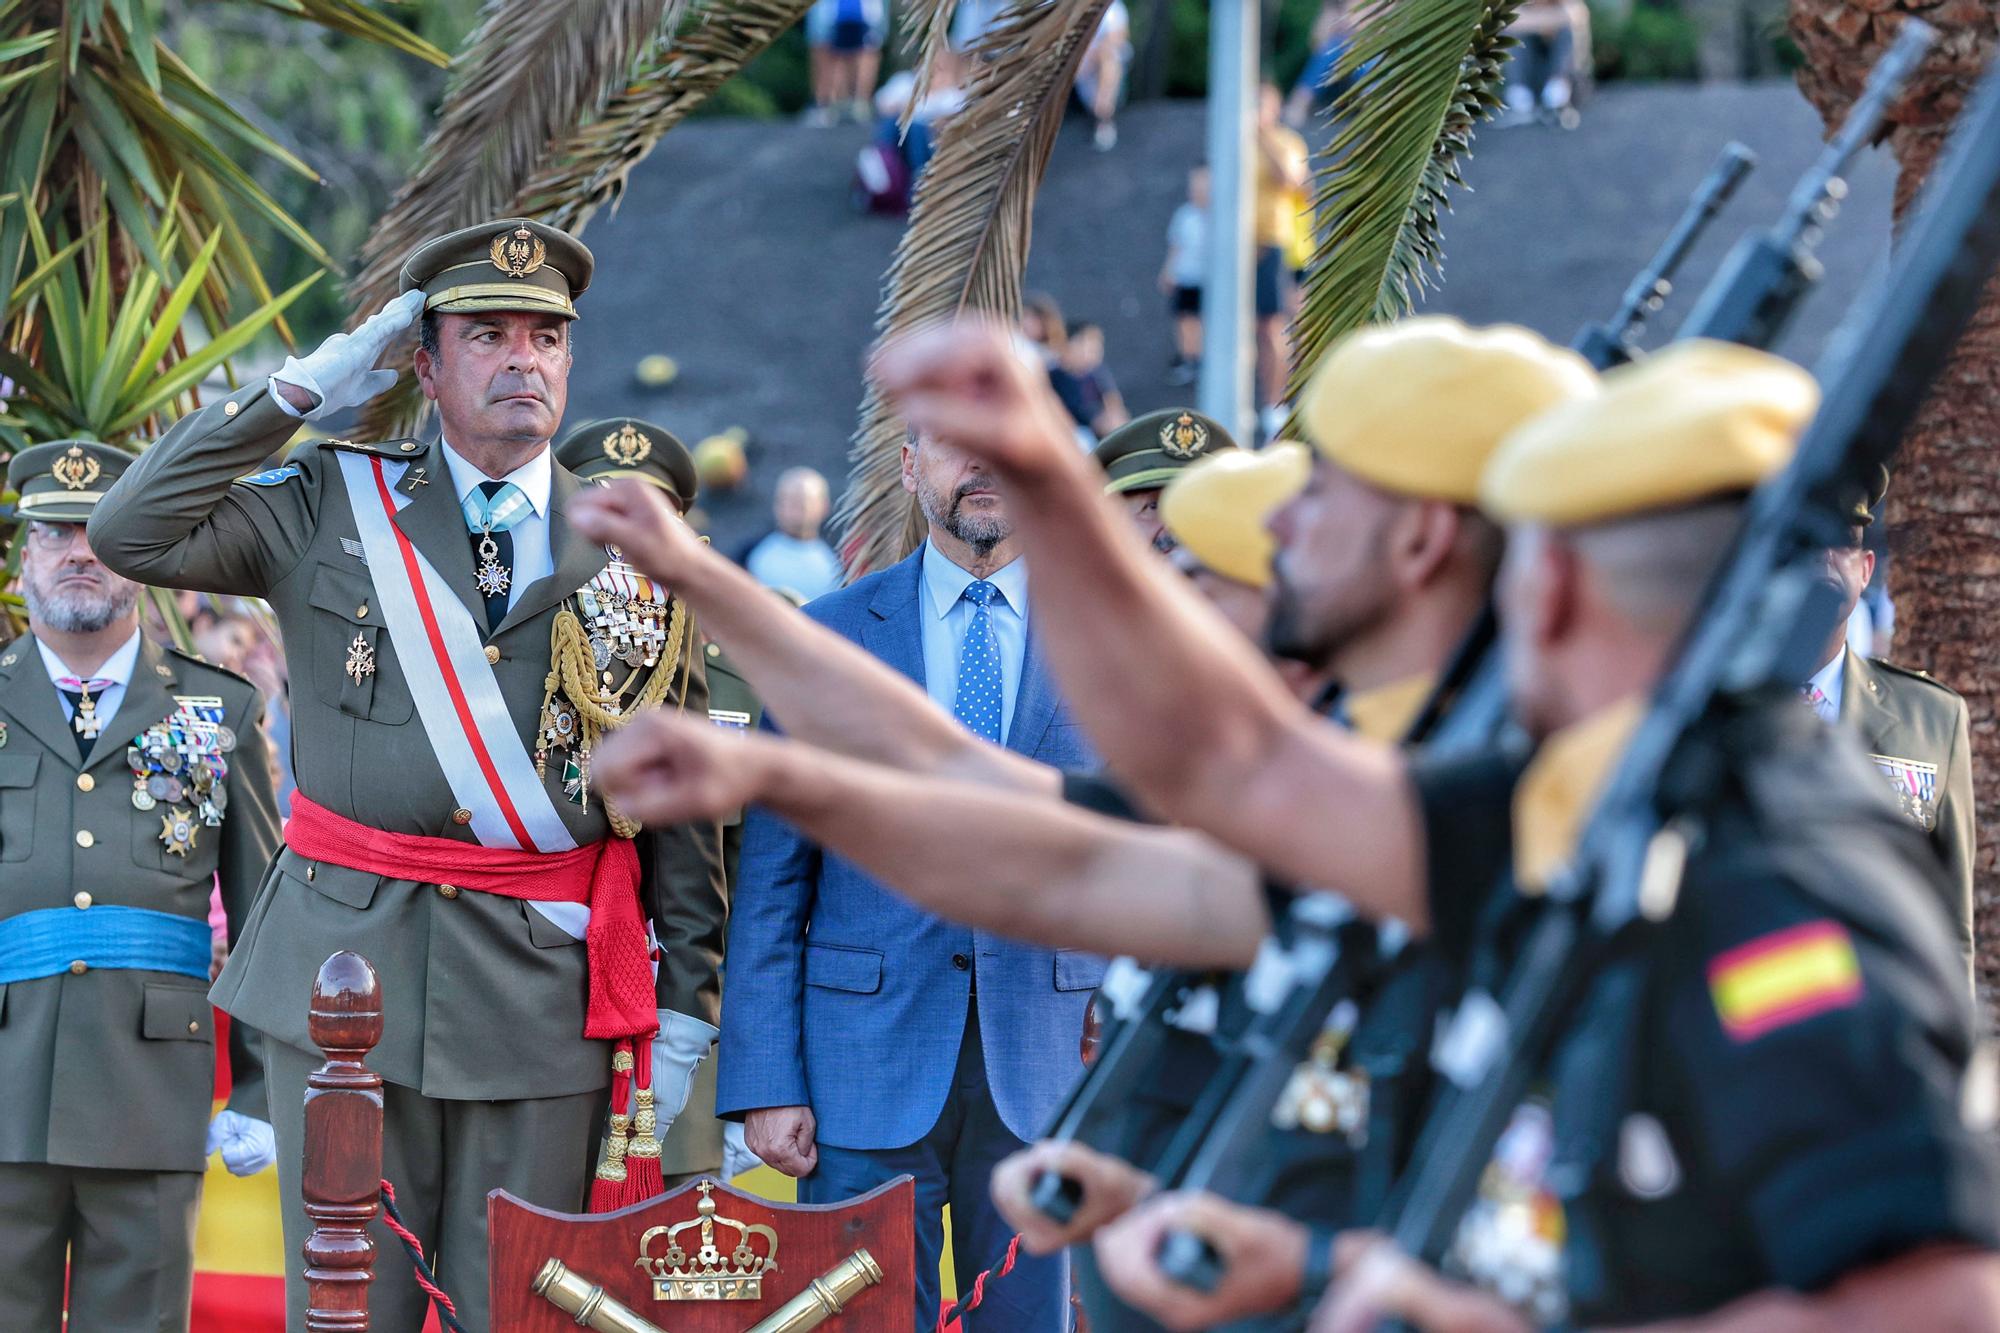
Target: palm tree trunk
x,y
1944,509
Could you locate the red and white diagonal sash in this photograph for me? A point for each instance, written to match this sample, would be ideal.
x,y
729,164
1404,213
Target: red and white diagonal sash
x,y
463,712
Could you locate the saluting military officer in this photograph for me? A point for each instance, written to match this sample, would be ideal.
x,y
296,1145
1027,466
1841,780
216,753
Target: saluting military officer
x,y
1144,454
1916,730
132,776
460,650
602,452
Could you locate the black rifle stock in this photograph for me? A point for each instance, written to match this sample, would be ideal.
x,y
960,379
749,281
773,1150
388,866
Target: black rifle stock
x,y
1614,342
1760,285
1764,616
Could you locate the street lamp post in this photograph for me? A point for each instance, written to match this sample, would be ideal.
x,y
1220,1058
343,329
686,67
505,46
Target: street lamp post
x,y
1228,353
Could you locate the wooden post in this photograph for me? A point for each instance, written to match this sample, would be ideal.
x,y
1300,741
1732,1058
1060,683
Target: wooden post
x,y
342,1179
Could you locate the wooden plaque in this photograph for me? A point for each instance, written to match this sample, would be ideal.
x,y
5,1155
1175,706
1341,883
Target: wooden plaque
x,y
603,1249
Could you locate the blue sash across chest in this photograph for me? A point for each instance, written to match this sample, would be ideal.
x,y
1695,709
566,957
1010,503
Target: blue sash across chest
x,y
41,944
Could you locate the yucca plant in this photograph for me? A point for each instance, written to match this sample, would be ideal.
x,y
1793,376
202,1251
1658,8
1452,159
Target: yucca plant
x,y
101,124
112,363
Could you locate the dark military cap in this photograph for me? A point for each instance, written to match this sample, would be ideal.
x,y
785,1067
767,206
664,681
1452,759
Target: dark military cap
x,y
1868,499
62,482
629,447
1146,453
512,264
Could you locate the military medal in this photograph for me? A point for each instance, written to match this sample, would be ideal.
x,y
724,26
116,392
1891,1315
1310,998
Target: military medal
x,y
177,830
492,578
86,721
360,666
179,761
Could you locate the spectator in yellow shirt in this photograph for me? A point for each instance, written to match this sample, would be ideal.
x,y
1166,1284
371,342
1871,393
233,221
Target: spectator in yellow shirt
x,y
1281,183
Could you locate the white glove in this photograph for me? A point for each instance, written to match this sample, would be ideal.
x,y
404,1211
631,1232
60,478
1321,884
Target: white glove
x,y
341,372
677,1052
247,1146
736,1155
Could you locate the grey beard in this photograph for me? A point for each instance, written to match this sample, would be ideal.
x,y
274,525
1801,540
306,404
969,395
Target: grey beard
x,y
80,614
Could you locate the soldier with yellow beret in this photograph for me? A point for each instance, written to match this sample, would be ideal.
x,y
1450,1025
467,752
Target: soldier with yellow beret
x,y
458,649
134,778
1796,1025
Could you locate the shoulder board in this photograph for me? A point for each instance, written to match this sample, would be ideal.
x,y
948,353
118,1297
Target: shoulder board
x,y
398,448
202,663
1912,674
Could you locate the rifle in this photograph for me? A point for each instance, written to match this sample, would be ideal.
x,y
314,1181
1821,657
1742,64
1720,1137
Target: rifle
x,y
1615,341
1764,278
1765,614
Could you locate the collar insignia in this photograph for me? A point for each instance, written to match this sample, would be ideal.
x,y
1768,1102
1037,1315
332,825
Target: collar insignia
x,y
76,469
627,447
518,253
1183,437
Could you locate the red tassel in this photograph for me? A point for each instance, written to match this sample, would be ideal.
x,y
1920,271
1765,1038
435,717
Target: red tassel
x,y
643,1179
608,1188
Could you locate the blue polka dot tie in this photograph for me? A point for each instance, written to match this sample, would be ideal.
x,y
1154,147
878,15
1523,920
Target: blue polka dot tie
x,y
978,702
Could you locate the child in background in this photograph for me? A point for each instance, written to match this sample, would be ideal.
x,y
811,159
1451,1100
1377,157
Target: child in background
x,y
1182,275
1084,383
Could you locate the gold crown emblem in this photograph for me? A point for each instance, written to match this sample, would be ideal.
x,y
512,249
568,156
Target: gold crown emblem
x,y
698,1273
76,469
1183,437
627,447
518,253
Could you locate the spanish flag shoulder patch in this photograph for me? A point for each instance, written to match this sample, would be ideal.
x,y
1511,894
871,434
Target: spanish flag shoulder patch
x,y
1783,978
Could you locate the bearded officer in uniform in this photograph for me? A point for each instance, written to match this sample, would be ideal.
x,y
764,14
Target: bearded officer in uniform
x,y
1914,729
461,648
132,776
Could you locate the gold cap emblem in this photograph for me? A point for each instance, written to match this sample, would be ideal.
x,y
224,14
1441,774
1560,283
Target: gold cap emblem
x,y
1183,437
76,469
627,446
519,252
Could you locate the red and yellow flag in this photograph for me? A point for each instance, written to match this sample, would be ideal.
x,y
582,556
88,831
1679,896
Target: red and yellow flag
x,y
1784,978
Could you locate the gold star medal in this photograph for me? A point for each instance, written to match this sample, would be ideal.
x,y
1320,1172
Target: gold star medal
x,y
178,830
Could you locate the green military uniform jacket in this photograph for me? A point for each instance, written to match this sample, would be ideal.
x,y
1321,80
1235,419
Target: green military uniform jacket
x,y
1917,732
484,997
695,1141
115,1068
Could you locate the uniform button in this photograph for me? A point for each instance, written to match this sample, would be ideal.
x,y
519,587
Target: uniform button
x,y
230,409
960,961
82,900
714,651
361,611
193,1027
492,652
461,816
409,447
78,968
447,890
85,838
85,782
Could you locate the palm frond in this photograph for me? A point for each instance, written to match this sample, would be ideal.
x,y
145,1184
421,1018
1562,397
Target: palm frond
x,y
588,170
967,243
1419,75
926,36
358,20
529,74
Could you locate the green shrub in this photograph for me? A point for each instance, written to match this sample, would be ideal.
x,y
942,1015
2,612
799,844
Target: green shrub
x,y
1654,41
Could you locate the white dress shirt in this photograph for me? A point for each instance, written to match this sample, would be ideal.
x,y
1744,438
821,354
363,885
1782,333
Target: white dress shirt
x,y
945,615
117,668
1829,680
532,558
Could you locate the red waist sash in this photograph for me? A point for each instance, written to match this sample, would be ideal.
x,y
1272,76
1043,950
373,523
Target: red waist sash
x,y
603,874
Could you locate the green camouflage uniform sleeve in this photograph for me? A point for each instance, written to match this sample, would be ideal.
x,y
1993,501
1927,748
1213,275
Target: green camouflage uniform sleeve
x,y
176,519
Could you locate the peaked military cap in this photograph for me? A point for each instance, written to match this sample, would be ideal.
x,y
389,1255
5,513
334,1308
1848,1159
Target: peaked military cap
x,y
629,447
1148,452
63,481
1699,420
511,264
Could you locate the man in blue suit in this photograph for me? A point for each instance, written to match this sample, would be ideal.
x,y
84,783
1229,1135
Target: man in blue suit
x,y
863,1038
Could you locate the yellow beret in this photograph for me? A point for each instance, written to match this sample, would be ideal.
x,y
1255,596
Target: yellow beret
x,y
1697,420
1217,509
1416,407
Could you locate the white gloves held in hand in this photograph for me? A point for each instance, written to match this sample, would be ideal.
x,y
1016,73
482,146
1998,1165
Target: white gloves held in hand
x,y
678,1050
341,372
247,1146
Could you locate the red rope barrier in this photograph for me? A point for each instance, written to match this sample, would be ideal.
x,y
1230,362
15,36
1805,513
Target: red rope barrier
x,y
393,1220
978,1293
